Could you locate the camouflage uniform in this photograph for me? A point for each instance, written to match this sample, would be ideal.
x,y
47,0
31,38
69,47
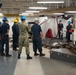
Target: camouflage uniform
x,y
23,37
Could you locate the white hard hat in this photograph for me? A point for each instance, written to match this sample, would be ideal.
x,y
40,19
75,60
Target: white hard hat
x,y
36,19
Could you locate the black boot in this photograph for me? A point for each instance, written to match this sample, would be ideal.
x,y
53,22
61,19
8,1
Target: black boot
x,y
41,54
2,53
29,57
8,55
36,54
15,49
18,56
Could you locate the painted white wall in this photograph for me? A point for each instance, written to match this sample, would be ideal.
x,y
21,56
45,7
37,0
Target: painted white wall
x,y
52,23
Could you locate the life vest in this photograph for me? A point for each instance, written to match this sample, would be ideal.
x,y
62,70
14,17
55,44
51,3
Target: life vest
x,y
71,30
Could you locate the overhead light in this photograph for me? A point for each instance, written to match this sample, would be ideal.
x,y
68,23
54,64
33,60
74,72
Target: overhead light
x,y
70,11
57,13
32,11
37,7
1,14
55,1
26,14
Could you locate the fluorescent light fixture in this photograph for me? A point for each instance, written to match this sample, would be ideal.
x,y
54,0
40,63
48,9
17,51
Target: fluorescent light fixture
x,y
1,14
37,7
26,14
32,11
70,11
55,1
57,13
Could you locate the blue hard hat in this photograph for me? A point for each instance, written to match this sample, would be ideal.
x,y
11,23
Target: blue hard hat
x,y
68,22
23,17
60,20
4,18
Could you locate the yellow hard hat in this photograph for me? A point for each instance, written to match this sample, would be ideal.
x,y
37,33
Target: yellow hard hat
x,y
15,21
17,18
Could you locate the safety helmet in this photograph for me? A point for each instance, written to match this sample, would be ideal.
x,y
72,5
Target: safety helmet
x,y
15,21
23,17
68,22
4,19
36,19
60,20
17,18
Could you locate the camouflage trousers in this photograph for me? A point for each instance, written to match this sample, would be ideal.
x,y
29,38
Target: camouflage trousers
x,y
24,41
